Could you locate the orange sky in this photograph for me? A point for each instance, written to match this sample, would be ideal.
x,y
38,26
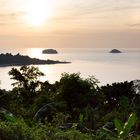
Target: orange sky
x,y
66,23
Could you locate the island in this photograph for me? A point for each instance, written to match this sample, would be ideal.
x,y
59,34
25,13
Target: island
x,y
18,60
115,51
49,51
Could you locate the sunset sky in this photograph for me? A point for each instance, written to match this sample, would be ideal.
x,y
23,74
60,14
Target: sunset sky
x,y
67,23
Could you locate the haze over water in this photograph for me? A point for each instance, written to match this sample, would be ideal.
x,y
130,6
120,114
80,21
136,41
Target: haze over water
x,y
99,62
70,24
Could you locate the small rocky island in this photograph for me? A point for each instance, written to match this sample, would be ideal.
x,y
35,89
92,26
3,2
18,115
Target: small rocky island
x,y
49,51
115,51
17,60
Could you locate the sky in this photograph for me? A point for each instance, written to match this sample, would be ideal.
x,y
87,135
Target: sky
x,y
67,23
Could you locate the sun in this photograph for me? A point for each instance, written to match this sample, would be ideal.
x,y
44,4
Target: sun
x,y
37,12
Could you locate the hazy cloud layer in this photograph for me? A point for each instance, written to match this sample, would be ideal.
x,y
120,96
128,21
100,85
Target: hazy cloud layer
x,y
134,25
10,18
79,10
99,13
88,21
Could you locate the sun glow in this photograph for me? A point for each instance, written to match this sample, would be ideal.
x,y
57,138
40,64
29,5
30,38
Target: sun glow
x,y
37,12
35,52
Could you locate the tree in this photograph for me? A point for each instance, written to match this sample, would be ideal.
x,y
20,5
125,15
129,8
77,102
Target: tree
x,y
116,93
27,79
78,92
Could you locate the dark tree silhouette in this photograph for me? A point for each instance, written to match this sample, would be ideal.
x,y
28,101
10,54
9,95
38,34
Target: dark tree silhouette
x,y
27,80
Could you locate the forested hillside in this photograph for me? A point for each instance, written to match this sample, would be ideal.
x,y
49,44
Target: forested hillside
x,y
72,108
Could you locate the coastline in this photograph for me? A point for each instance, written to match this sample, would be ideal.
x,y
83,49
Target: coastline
x,y
18,60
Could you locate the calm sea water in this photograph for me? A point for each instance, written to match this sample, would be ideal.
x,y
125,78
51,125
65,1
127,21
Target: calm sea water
x,y
106,67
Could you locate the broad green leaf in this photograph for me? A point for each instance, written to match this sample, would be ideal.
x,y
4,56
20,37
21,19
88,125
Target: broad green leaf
x,y
118,125
128,125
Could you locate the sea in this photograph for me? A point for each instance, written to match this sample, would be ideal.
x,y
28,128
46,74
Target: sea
x,y
98,62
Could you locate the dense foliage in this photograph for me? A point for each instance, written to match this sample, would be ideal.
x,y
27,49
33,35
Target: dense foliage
x,y
70,109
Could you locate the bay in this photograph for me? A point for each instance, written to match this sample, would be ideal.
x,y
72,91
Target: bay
x,y
105,66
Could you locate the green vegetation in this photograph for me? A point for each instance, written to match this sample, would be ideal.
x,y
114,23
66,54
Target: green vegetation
x,y
70,109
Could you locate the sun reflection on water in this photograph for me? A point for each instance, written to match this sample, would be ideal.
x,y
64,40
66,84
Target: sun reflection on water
x,y
35,52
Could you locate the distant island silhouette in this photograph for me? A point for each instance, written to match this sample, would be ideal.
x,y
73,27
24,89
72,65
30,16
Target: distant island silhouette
x,y
17,60
49,51
115,51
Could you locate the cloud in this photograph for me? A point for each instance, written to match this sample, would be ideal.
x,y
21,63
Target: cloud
x,y
2,24
10,18
93,9
81,13
134,25
92,6
10,15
